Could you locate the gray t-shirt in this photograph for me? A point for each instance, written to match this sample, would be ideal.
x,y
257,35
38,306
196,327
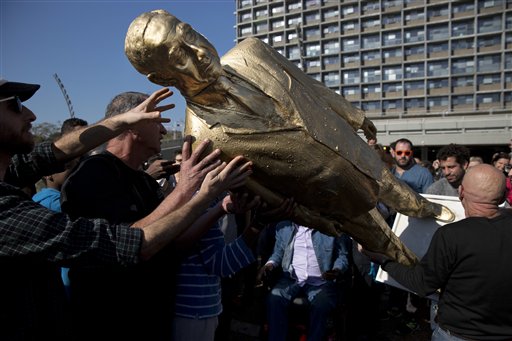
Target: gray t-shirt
x,y
442,187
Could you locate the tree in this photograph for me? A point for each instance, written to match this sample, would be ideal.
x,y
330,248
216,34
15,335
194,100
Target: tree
x,y
45,131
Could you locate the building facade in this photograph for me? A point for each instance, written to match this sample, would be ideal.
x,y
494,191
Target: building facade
x,y
434,71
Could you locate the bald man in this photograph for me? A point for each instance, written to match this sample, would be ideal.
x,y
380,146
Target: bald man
x,y
470,261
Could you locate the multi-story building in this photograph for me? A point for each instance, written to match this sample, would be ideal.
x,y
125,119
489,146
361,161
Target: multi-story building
x,y
433,71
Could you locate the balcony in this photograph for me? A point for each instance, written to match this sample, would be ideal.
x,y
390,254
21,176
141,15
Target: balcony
x,y
392,94
439,54
487,87
372,95
463,52
439,91
463,89
415,92
492,48
414,57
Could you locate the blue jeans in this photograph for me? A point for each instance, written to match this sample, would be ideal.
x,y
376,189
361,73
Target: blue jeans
x,y
440,334
322,300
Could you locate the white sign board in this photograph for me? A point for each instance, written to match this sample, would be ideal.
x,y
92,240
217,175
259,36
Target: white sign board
x,y
416,233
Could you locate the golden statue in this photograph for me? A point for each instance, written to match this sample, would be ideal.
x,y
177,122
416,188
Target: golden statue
x,y
301,136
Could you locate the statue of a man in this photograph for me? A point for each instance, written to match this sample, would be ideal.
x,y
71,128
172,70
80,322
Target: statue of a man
x,y
301,136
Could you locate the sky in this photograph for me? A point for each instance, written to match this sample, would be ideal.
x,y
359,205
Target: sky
x,y
83,43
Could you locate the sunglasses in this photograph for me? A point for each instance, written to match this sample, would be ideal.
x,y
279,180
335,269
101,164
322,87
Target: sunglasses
x,y
405,152
19,107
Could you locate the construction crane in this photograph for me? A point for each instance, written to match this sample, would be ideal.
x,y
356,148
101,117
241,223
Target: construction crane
x,y
65,94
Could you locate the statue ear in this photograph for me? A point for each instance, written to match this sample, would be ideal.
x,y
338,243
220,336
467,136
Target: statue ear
x,y
160,81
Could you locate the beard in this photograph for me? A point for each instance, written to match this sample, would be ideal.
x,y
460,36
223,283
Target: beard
x,y
12,144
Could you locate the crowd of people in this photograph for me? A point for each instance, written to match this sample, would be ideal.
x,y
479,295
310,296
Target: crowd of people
x,y
122,244
142,234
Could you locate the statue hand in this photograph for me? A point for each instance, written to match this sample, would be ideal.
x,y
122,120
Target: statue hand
x,y
369,129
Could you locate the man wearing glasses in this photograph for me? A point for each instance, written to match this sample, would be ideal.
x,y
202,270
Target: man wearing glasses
x,y
407,170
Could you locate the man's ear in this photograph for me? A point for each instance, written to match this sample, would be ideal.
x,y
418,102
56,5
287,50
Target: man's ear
x,y
465,165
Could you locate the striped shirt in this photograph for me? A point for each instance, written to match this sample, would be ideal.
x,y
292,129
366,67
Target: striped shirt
x,y
198,292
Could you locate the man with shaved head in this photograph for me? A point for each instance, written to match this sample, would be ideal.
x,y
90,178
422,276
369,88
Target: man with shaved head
x,y
470,262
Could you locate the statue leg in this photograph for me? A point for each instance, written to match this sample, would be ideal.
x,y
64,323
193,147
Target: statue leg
x,y
400,197
374,234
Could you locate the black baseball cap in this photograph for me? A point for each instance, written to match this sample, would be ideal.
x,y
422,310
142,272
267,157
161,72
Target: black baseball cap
x,y
23,90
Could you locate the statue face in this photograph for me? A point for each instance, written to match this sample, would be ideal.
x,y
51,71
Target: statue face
x,y
173,54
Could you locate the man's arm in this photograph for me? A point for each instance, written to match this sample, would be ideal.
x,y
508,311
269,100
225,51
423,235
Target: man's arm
x,y
159,233
77,143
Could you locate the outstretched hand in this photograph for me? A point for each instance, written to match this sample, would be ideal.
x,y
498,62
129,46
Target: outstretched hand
x,y
239,202
226,176
149,109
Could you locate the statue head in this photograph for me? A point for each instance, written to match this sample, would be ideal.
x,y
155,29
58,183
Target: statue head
x,y
170,53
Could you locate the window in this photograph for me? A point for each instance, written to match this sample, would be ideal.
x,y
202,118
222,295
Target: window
x,y
351,91
415,15
414,50
349,26
262,27
351,77
392,73
331,47
294,21
294,6
277,10
312,17
487,41
331,14
438,32
508,21
312,50
437,47
293,52
371,6
350,44
390,53
277,24
372,89
412,103
331,29
462,100
371,75
371,55
462,28
332,79
437,83
441,101
439,11
316,76
489,79
460,82
245,30
414,35
463,44
370,106
392,38
488,98
371,41
292,35
246,16
391,19
461,66
348,10
277,38
371,23
414,85
488,3
245,3
261,13
393,87
312,32
489,24
331,60
437,68
463,7
350,58
312,3
310,63
489,63
391,105
508,61
415,70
